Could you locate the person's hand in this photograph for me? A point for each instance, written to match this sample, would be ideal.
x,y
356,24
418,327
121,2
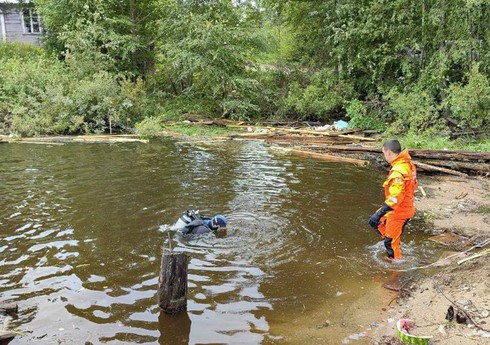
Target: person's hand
x,y
375,219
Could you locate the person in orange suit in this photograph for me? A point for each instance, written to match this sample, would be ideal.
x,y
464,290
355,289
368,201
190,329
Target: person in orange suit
x,y
398,207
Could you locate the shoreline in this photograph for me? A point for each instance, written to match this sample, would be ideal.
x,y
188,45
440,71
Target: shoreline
x,y
459,207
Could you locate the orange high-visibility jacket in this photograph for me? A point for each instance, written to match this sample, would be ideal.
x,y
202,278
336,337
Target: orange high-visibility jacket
x,y
400,186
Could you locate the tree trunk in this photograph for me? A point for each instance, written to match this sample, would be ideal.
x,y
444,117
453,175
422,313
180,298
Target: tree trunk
x,y
172,283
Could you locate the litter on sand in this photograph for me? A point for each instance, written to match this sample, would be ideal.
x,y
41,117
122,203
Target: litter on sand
x,y
403,327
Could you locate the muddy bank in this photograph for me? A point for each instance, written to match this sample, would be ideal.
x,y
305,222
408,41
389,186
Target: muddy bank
x,y
461,208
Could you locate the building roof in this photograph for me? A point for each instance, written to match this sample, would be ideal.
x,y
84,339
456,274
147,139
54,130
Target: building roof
x,y
13,1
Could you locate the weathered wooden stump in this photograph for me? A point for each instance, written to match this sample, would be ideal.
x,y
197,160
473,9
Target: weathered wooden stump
x,y
8,308
172,283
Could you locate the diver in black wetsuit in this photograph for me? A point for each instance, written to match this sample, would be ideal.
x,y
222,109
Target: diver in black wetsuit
x,y
192,223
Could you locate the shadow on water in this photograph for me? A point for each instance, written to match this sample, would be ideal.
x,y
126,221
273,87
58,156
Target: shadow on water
x,y
82,226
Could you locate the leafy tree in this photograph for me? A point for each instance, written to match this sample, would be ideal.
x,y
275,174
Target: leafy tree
x,y
205,52
116,35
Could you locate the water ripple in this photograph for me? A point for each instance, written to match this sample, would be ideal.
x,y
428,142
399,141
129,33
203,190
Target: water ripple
x,y
82,228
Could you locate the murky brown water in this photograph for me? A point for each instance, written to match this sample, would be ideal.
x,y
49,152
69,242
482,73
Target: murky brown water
x,y
82,225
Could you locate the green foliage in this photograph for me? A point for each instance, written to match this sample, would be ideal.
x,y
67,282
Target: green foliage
x,y
28,91
136,104
316,97
149,127
115,35
414,111
96,101
18,50
42,96
205,51
365,117
196,130
407,67
430,142
470,103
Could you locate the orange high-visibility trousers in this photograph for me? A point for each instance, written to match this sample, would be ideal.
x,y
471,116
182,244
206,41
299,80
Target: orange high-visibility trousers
x,y
391,230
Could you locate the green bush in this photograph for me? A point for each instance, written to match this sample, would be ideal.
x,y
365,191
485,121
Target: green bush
x,y
414,111
97,100
135,104
431,142
314,100
364,117
17,50
470,103
149,127
30,91
42,95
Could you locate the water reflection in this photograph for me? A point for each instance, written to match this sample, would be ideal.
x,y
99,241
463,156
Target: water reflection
x,y
174,328
81,236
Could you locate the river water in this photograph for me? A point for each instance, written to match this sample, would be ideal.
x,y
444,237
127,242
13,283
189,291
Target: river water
x,y
82,227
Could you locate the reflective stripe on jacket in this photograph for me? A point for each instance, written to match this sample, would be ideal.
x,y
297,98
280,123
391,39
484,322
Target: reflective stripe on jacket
x,y
400,186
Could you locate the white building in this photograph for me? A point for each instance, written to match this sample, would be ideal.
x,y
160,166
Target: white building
x,y
19,23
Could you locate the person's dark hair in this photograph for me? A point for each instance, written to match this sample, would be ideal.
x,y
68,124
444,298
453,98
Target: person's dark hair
x,y
393,145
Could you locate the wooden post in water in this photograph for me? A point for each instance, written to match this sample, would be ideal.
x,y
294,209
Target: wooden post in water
x,y
172,283
7,308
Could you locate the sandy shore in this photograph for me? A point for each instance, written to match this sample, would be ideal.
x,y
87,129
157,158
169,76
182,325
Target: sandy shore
x,y
459,210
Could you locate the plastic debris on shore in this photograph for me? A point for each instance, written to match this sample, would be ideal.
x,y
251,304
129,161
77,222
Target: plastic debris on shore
x,y
403,327
337,126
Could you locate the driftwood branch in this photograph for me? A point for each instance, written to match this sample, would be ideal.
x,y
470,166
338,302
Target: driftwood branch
x,y
457,163
468,316
428,167
483,253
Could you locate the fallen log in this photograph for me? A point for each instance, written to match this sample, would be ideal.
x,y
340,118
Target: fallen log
x,y
310,139
428,167
456,155
50,143
460,166
80,138
322,156
309,132
427,154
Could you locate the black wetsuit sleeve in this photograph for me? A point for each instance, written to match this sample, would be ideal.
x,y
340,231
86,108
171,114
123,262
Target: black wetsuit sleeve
x,y
189,227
